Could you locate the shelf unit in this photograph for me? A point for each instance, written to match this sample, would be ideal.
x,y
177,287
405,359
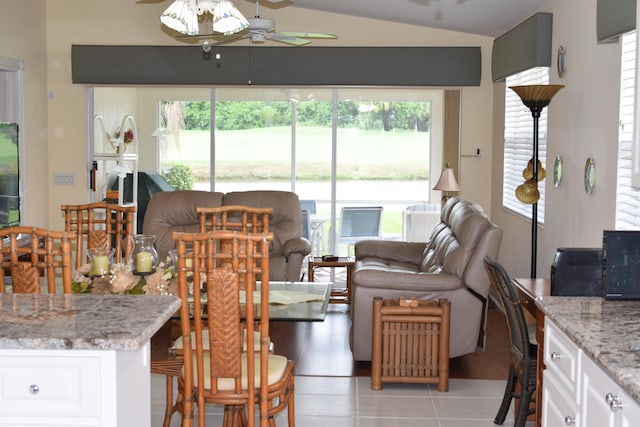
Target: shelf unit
x,y
122,160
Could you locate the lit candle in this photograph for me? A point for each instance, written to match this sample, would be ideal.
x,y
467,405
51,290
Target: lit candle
x,y
100,265
144,262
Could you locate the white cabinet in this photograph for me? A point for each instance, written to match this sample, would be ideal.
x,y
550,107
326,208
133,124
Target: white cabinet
x,y
74,388
560,379
604,403
576,392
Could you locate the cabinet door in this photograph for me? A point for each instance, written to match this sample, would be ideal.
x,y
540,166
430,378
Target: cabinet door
x,y
559,408
561,357
601,397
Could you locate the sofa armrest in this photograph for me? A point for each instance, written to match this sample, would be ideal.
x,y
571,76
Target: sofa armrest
x,y
296,245
409,252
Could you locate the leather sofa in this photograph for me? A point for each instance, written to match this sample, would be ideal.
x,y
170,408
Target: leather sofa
x,y
176,211
450,265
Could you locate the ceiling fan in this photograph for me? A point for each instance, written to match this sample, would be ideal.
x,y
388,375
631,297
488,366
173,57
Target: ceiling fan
x,y
259,30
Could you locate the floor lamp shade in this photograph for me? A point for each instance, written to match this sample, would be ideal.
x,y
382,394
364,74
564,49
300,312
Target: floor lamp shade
x,y
534,97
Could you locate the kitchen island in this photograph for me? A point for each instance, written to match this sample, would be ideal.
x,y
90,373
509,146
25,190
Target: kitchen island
x,y
78,359
592,374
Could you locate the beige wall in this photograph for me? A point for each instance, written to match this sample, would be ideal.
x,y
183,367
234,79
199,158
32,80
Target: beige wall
x,y
22,36
582,117
583,122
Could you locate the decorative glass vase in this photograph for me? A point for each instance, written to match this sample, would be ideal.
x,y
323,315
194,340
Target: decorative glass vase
x,y
101,260
145,256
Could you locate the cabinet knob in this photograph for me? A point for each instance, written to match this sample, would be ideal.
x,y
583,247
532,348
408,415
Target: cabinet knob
x,y
613,401
569,420
555,356
34,389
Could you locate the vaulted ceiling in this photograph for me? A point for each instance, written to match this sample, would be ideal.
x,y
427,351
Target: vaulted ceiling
x,y
482,17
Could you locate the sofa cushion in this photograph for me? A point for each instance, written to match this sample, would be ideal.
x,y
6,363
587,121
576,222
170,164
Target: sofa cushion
x,y
380,273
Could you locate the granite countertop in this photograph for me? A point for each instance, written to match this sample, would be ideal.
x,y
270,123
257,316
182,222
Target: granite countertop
x,y
605,330
82,322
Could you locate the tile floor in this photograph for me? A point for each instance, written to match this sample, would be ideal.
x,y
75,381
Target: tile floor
x,y
350,402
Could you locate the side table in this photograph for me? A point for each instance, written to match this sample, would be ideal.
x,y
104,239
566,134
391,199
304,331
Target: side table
x,y
410,342
348,263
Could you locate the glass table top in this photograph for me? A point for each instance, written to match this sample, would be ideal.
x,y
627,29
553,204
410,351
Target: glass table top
x,y
294,301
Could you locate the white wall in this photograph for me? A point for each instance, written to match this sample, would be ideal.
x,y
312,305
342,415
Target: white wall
x,y
583,122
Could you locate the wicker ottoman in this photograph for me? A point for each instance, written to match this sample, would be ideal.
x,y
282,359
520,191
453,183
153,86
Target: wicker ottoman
x,y
410,342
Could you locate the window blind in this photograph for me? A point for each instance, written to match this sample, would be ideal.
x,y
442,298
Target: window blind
x,y
518,141
627,197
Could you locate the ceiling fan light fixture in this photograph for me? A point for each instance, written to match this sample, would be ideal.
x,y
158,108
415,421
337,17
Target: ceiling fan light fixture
x,y
181,17
205,6
227,19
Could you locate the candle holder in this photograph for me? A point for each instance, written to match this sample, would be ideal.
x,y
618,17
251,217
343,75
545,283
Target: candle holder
x,y
145,256
101,260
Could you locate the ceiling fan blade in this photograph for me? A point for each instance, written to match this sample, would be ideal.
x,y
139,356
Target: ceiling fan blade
x,y
308,35
279,37
216,37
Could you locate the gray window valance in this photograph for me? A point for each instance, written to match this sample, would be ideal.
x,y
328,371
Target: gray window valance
x,y
243,65
525,46
615,17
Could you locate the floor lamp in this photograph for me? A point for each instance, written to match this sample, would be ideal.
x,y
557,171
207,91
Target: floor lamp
x,y
535,97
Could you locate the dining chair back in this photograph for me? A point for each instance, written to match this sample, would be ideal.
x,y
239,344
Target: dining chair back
x,y
521,381
234,218
31,253
100,225
359,223
223,366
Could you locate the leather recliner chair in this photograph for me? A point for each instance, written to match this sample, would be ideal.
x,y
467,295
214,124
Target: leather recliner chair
x,y
450,265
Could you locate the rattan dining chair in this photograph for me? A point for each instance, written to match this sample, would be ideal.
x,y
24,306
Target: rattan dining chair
x,y
31,253
219,370
521,381
100,225
234,218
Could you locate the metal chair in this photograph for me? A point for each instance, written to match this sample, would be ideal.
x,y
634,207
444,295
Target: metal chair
x,y
359,223
29,253
522,366
315,228
308,205
100,225
217,369
306,228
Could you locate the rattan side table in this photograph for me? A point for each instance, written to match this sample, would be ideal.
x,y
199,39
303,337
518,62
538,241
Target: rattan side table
x,y
337,295
410,342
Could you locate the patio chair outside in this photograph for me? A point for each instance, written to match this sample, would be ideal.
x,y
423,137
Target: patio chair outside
x,y
359,223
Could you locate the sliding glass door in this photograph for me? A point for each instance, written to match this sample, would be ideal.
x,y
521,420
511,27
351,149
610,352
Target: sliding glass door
x,y
335,147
